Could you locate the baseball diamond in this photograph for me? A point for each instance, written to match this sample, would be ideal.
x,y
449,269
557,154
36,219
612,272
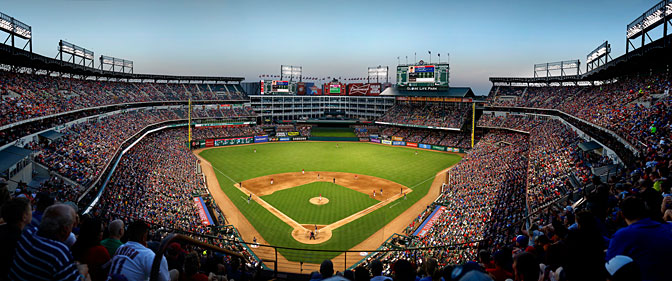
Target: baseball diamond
x,y
359,169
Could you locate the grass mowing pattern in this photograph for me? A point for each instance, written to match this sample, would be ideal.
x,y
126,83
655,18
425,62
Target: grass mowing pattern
x,y
332,132
343,202
399,164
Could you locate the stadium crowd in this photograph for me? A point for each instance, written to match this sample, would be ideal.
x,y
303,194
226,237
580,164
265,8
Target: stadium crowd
x,y
496,224
26,96
632,107
440,115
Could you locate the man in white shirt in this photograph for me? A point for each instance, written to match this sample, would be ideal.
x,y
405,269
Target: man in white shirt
x,y
133,260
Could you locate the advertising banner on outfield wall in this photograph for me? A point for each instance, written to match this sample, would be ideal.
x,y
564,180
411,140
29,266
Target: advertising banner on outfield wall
x,y
260,139
375,140
285,139
293,134
233,141
438,147
209,143
411,144
280,134
399,143
373,136
397,138
386,142
363,139
425,146
299,138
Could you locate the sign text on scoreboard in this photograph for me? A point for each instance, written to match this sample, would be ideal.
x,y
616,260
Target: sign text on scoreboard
x,y
421,74
280,86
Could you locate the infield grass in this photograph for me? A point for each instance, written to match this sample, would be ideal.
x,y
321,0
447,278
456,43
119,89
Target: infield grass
x,y
399,164
332,132
343,202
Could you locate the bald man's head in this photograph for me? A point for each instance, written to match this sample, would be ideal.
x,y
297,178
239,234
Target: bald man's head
x,y
57,222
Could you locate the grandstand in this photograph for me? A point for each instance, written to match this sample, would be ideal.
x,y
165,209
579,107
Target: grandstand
x,y
549,171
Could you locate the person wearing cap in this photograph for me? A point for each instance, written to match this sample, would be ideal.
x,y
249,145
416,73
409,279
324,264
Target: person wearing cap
x,y
622,268
646,241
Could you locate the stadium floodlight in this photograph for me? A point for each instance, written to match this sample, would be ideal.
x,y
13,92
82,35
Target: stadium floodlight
x,y
125,65
378,72
75,52
291,72
559,67
16,28
652,18
594,58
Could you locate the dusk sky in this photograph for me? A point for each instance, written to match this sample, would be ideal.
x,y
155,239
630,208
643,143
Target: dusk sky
x,y
331,38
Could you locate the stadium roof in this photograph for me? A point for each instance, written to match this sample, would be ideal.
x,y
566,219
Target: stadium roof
x,y
452,92
652,56
10,156
51,135
22,58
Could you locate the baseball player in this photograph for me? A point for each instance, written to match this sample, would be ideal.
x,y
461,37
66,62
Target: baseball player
x,y
249,198
303,171
334,180
374,193
255,150
381,192
271,181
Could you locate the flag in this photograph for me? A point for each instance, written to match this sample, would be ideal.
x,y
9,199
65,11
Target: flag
x,y
430,52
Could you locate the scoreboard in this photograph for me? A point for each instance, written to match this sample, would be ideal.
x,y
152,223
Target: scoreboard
x,y
278,87
423,77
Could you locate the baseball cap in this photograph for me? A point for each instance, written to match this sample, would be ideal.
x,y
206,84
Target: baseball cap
x,y
522,240
616,263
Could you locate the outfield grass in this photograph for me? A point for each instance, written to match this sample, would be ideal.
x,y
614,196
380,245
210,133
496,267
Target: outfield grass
x,y
332,132
399,164
343,202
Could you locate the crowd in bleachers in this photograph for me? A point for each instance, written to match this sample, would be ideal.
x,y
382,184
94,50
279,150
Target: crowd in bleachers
x,y
26,96
450,115
211,132
632,107
618,231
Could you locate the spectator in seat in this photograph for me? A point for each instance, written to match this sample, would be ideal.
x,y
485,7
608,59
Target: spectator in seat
x,y
362,274
377,271
87,249
525,267
17,214
646,241
191,268
42,201
501,270
112,243
41,253
133,260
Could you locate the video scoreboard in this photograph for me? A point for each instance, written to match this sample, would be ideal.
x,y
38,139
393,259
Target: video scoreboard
x,y
277,87
423,76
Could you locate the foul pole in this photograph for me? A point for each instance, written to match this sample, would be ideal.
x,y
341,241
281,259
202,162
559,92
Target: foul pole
x,y
189,126
473,122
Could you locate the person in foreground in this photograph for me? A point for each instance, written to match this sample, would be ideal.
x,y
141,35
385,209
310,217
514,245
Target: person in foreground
x,y
133,260
41,252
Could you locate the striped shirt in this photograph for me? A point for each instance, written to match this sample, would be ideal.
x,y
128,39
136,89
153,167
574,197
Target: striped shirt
x,y
39,258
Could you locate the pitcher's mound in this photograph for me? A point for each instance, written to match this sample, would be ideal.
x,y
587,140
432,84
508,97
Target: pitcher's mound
x,y
318,201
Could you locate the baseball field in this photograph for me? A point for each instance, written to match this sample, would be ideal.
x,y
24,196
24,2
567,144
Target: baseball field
x,y
287,190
